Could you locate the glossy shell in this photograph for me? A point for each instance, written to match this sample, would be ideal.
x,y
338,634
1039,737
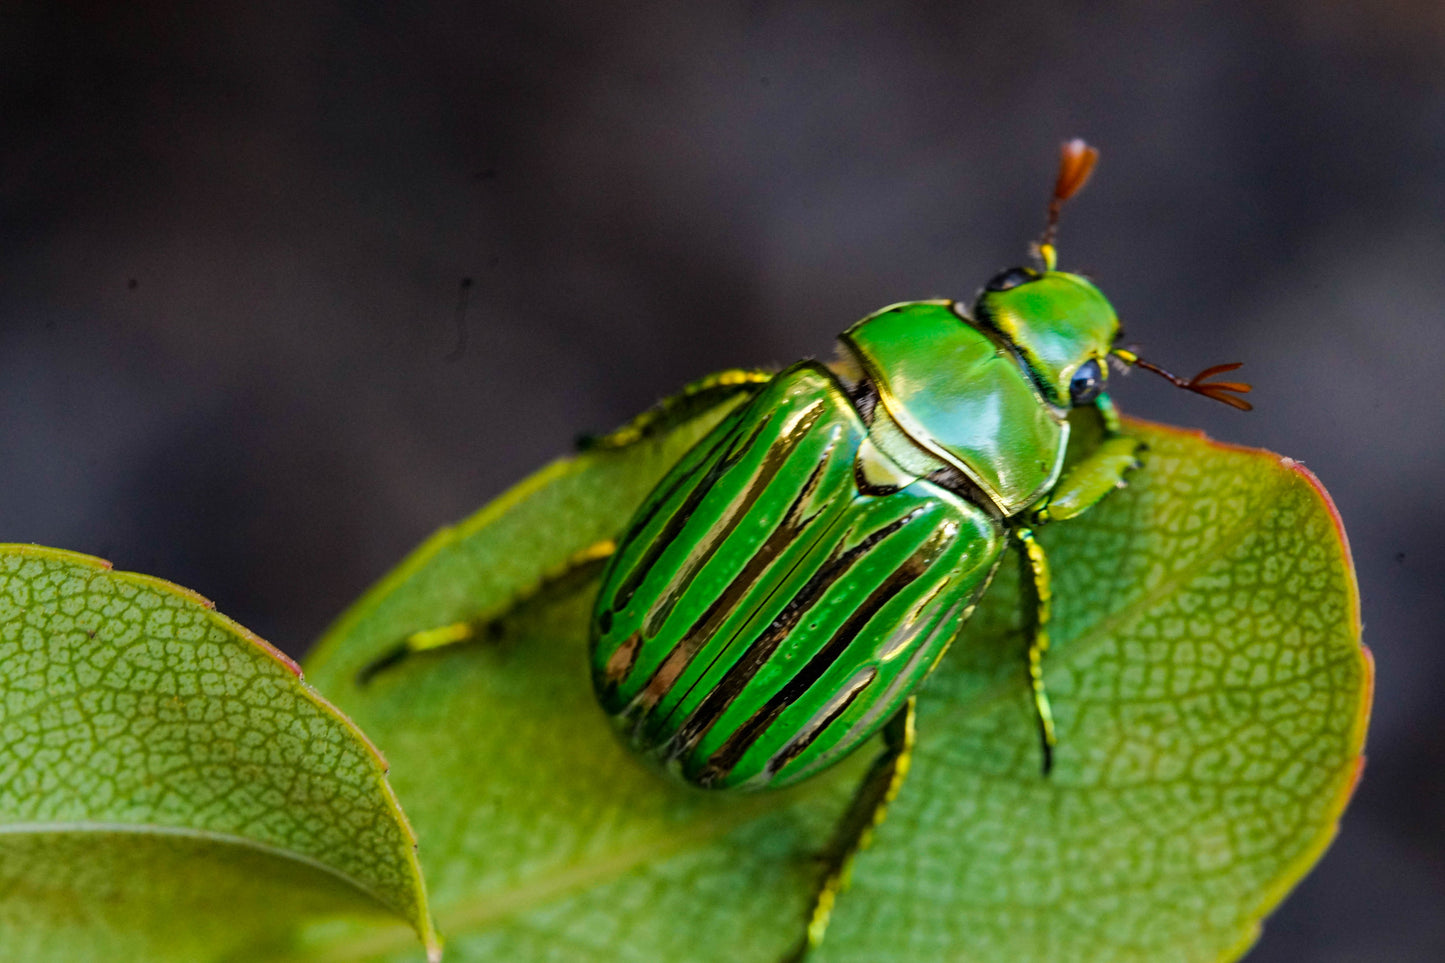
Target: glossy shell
x,y
963,395
771,604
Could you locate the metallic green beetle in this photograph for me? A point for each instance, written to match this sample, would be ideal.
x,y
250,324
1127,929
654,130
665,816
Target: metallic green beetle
x,y
779,597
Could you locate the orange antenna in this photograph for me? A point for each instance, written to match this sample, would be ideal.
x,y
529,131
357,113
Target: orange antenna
x,y
1076,163
1222,391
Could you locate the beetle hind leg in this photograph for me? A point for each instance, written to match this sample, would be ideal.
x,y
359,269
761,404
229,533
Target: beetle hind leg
x,y
577,568
865,812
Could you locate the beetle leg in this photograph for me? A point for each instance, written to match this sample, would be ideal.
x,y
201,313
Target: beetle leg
x,y
865,812
1096,475
692,401
578,567
1104,405
1038,597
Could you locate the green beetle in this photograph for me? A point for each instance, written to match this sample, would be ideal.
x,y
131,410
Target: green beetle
x,y
779,597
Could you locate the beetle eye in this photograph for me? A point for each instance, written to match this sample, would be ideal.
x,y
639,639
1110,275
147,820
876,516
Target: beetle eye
x,y
1088,382
1011,278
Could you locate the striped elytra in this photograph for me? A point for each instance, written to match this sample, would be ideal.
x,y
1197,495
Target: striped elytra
x,y
781,594
774,601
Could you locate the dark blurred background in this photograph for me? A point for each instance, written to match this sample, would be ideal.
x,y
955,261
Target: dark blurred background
x,y
284,289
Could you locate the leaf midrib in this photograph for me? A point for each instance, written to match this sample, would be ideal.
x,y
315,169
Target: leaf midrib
x,y
211,836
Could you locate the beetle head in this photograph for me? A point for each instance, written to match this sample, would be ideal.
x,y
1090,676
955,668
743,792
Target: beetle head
x,y
1061,324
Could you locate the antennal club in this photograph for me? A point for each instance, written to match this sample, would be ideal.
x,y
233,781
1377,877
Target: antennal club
x,y
1076,163
1222,391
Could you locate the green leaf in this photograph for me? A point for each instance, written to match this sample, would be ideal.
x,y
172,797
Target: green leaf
x,y
170,789
1207,675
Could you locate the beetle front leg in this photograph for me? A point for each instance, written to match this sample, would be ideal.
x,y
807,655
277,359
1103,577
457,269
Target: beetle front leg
x,y
693,400
865,812
578,567
1095,475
